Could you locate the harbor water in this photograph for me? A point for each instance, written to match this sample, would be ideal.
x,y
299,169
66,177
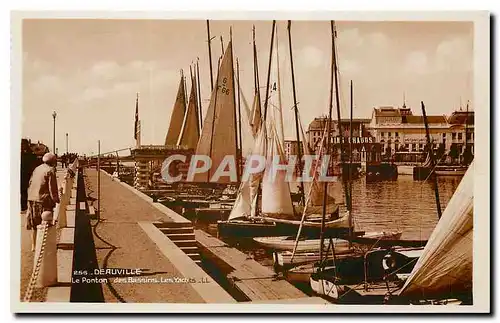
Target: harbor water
x,y
401,205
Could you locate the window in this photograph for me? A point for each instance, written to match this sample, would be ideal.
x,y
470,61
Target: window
x,y
389,134
459,136
444,135
454,135
382,134
396,134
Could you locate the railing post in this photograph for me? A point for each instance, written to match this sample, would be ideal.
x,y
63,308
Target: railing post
x,y
47,273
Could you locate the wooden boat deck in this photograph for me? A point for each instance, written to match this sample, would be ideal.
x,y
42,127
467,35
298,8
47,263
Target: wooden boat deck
x,y
257,282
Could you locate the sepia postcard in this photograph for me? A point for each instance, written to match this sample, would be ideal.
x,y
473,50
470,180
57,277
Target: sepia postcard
x,y
183,162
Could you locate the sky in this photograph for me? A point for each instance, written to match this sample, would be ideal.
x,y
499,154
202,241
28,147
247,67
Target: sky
x,y
89,72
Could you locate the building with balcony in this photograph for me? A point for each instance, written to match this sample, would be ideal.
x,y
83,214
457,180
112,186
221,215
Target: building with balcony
x,y
392,130
399,130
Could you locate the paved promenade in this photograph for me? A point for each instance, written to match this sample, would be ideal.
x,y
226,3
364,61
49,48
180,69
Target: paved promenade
x,y
121,210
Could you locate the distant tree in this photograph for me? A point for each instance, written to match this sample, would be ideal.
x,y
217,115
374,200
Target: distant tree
x,y
454,153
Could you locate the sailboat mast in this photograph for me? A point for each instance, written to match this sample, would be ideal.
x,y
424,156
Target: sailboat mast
x,y
234,105
269,71
327,146
341,137
213,119
350,168
279,88
297,131
433,161
255,66
240,154
199,94
185,88
210,55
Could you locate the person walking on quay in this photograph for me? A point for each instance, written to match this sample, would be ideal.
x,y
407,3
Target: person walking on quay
x,y
28,164
43,194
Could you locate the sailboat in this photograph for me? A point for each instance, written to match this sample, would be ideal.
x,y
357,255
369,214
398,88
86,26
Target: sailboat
x,y
444,270
218,135
318,200
439,273
189,133
273,213
183,132
177,116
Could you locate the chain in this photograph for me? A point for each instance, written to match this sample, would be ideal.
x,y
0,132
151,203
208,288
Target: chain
x,y
31,285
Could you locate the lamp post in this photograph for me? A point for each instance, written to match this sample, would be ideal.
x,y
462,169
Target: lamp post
x,y
66,143
54,115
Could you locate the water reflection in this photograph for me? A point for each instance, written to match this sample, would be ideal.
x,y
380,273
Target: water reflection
x,y
404,204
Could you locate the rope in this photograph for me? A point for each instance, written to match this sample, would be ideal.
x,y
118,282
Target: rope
x,y
36,271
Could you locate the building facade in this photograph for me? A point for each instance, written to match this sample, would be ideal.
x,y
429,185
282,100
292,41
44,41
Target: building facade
x,y
364,146
291,148
399,130
392,132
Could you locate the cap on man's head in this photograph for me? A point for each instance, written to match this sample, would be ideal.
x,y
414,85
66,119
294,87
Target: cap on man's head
x,y
49,158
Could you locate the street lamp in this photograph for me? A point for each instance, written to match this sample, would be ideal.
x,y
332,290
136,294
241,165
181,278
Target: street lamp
x,y
54,115
66,143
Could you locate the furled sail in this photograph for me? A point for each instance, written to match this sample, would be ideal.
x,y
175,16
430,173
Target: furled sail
x,y
218,135
276,199
445,267
177,117
256,117
189,133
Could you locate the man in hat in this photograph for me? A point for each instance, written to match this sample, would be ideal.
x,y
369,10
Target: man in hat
x,y
42,193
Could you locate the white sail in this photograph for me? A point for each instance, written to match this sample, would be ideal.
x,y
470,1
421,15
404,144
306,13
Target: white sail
x,y
218,136
177,117
446,262
245,204
276,199
189,133
252,114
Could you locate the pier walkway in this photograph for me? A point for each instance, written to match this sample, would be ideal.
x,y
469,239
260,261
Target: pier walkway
x,y
27,255
124,239
257,282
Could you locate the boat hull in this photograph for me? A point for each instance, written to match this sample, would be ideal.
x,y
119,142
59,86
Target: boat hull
x,y
421,173
288,243
267,229
246,229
